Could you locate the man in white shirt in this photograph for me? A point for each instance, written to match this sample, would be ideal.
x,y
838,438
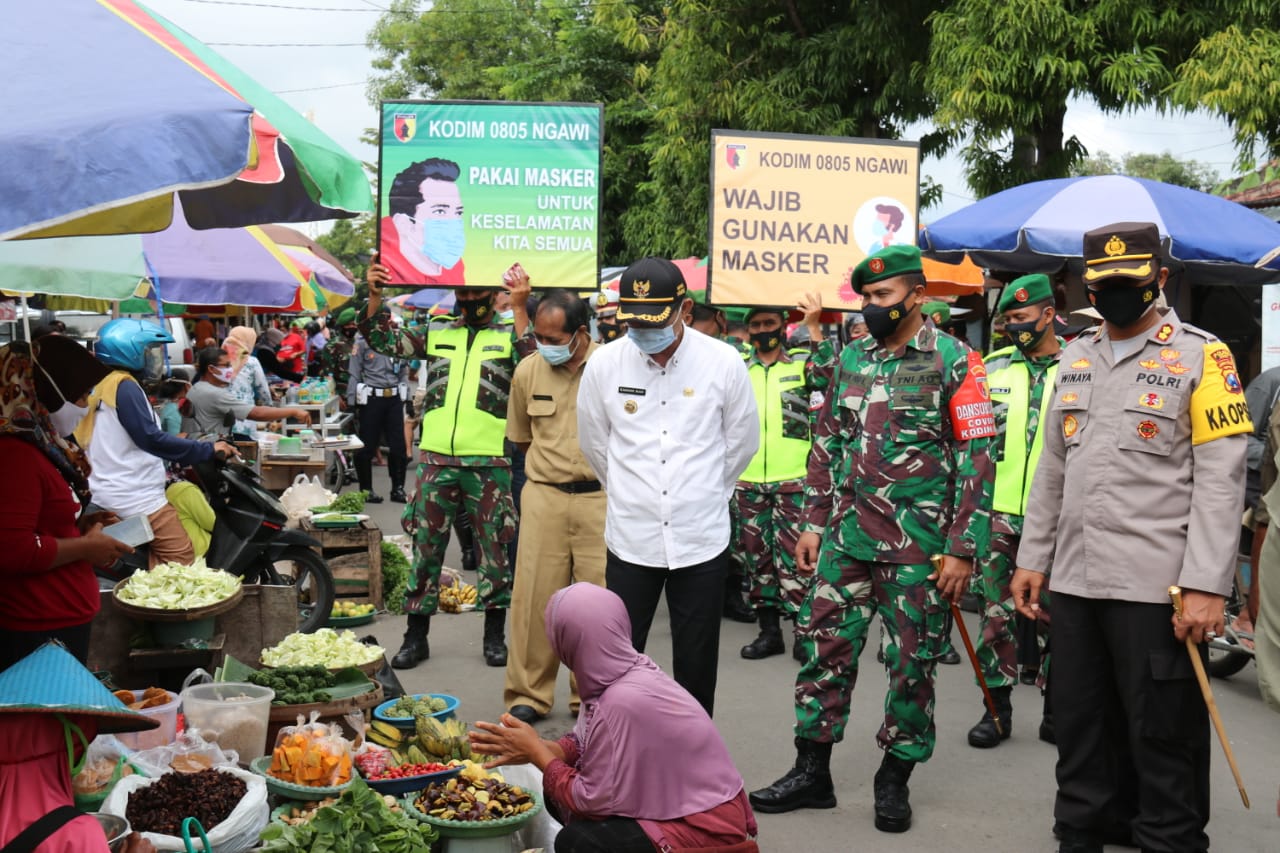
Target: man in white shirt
x,y
667,420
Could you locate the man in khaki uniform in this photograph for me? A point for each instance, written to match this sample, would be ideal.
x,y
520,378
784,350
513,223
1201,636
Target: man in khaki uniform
x,y
1139,487
562,505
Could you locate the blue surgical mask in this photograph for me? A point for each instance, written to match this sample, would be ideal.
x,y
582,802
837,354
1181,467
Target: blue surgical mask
x,y
652,341
509,314
556,354
443,241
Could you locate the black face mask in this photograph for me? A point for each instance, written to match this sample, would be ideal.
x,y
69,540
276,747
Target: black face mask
x,y
476,312
767,341
1025,335
882,321
608,331
349,334
1123,306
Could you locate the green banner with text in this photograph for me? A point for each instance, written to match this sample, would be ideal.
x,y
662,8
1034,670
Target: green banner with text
x,y
466,189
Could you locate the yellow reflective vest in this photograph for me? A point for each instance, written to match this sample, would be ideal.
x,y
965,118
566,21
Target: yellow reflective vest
x,y
467,388
782,401
1010,382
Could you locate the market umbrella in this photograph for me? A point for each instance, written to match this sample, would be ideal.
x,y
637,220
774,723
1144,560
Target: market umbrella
x,y
1037,226
943,279
426,299
110,109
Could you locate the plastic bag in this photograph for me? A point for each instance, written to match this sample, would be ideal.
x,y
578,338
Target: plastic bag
x,y
385,676
105,763
188,754
240,830
542,828
311,753
299,498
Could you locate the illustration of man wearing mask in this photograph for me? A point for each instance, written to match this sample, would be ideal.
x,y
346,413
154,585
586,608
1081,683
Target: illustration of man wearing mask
x,y
423,237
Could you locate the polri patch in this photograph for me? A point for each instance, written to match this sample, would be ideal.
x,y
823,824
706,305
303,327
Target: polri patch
x,y
1069,426
1147,430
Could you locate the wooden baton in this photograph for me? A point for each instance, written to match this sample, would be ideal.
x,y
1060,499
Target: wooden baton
x,y
1175,593
956,617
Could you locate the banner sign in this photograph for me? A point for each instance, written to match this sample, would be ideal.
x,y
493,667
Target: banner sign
x,y
794,214
466,189
1270,326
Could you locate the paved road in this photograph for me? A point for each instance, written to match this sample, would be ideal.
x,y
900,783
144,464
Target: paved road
x,y
965,800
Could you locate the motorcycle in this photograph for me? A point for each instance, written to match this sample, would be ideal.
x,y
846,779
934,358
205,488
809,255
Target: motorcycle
x,y
250,539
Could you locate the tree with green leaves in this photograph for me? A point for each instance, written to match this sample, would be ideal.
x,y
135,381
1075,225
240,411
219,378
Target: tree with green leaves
x,y
351,241
1157,167
1003,73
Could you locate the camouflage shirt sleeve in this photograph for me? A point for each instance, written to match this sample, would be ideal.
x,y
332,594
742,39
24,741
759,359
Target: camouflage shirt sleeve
x,y
405,342
523,346
825,455
970,532
821,364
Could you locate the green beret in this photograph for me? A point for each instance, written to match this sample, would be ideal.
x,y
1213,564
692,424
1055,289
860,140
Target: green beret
x,y
889,262
930,309
346,316
1025,291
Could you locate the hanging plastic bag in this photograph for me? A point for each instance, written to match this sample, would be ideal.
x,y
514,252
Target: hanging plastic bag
x,y
105,764
311,753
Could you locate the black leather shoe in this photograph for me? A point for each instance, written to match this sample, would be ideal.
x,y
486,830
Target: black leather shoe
x,y
413,652
951,657
807,785
1028,676
971,602
373,499
984,734
1075,841
525,714
768,644
1047,733
398,496
893,806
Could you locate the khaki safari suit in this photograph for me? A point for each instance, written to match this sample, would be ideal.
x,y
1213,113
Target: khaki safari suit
x,y
562,522
1139,487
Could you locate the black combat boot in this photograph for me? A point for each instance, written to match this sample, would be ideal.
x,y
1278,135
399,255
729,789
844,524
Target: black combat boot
x,y
984,734
735,606
495,637
415,649
806,786
893,809
466,541
769,643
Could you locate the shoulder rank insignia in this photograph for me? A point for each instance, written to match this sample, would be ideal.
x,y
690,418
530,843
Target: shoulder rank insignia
x,y
1165,333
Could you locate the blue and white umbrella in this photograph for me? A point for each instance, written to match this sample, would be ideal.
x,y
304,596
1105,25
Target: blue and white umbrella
x,y
1037,226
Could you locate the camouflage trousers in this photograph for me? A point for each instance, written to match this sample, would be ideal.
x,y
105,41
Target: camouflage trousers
x,y
769,517
484,494
997,646
832,629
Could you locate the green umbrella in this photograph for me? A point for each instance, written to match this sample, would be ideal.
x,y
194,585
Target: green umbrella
x,y
93,267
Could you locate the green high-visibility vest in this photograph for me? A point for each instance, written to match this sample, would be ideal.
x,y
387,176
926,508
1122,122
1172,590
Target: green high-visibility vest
x,y
782,401
1011,385
471,418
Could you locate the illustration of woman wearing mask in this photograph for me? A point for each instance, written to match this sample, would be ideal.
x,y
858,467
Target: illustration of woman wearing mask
x,y
423,237
888,223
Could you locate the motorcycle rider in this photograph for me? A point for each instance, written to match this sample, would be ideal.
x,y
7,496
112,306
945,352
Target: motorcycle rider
x,y
127,448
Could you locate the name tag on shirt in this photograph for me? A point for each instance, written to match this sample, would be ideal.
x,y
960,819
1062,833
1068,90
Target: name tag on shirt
x,y
542,397
626,389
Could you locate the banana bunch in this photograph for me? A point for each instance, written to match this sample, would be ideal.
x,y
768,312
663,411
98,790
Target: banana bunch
x,y
385,734
442,740
457,594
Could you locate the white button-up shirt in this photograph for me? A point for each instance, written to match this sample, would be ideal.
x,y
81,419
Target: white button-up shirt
x,y
668,444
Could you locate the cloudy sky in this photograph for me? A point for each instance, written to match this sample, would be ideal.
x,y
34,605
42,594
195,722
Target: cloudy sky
x,y
312,53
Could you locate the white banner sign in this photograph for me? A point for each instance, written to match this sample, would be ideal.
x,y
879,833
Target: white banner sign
x,y
1270,326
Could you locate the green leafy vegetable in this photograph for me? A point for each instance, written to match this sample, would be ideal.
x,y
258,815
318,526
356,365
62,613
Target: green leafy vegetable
x,y
395,577
174,586
348,502
359,822
326,647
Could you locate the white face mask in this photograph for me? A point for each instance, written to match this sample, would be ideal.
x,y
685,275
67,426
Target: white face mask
x,y
223,374
67,418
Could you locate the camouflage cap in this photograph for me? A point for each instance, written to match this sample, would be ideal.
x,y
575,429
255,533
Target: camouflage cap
x,y
1027,290
889,262
649,291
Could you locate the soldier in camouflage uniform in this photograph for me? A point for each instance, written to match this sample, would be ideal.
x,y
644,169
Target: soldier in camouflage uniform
x,y
899,472
770,495
1021,381
336,355
469,364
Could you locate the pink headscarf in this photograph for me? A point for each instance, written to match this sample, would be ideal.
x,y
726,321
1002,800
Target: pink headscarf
x,y
35,779
649,750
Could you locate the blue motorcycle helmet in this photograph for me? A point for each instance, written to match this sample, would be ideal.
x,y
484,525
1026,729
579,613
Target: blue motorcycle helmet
x,y
133,345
